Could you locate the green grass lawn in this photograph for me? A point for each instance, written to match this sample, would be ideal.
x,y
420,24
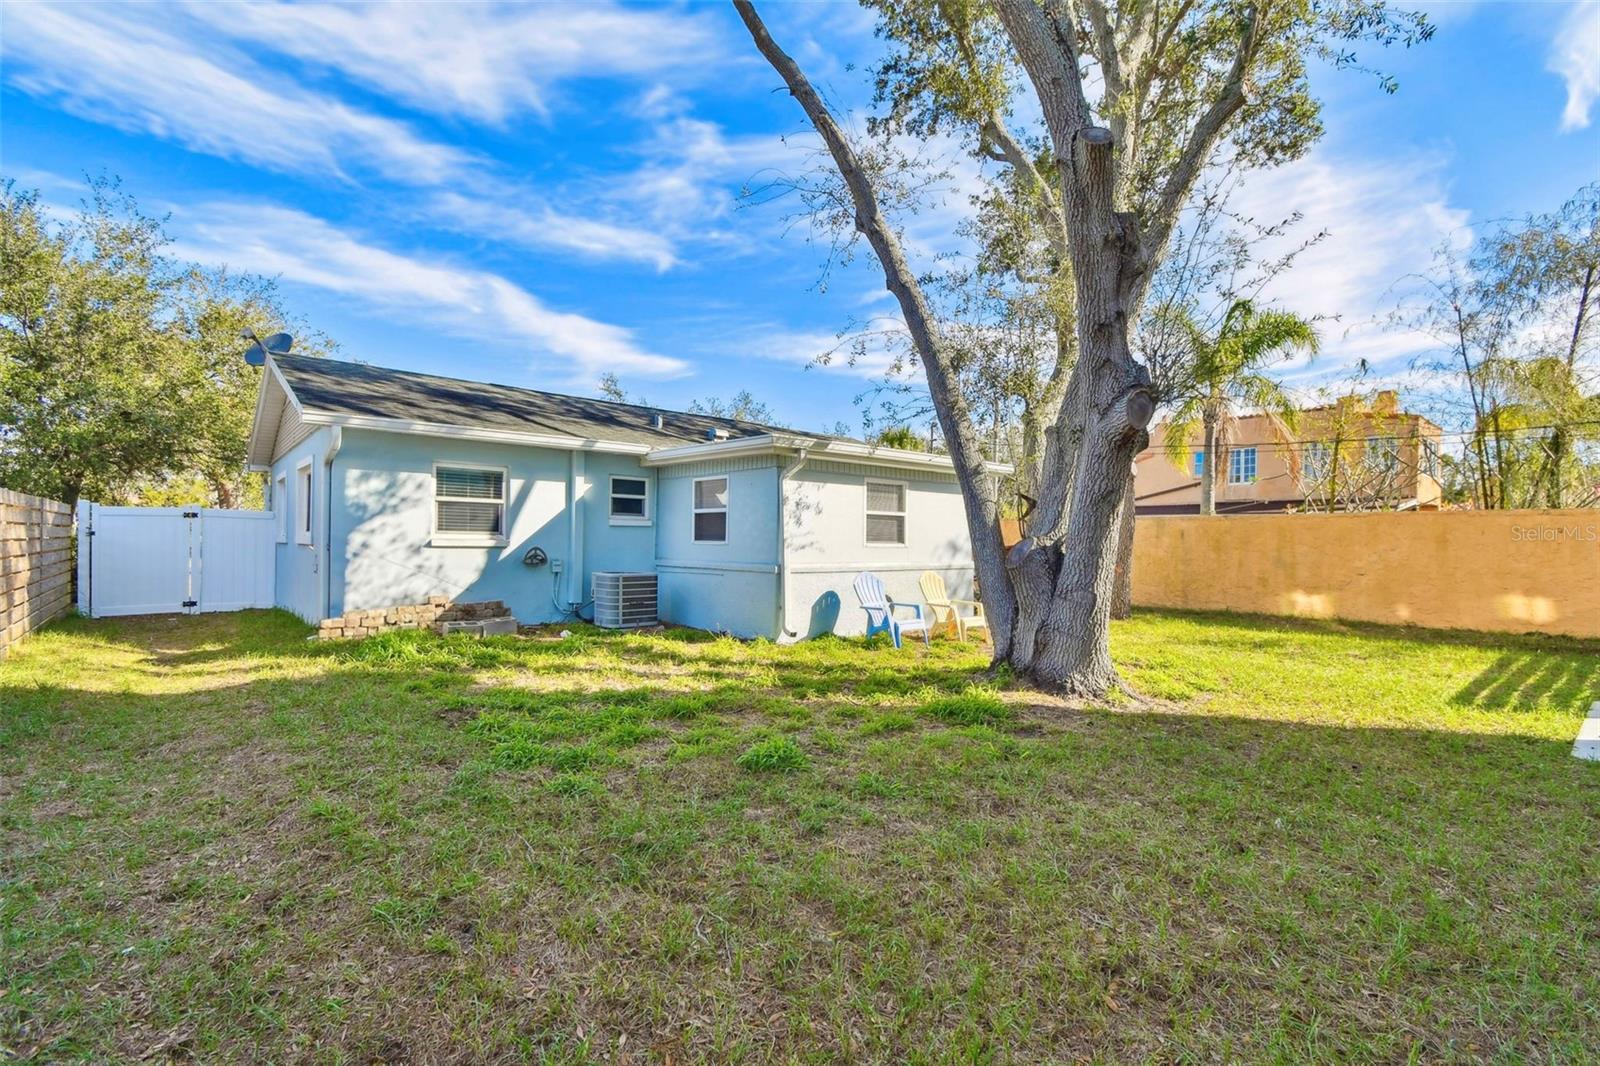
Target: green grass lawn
x,y
1312,842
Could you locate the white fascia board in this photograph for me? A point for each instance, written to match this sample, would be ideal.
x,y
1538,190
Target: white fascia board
x,y
483,433
721,449
873,454
852,451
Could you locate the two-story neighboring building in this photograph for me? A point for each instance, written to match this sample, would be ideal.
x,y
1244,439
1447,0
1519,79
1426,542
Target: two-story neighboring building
x,y
1351,455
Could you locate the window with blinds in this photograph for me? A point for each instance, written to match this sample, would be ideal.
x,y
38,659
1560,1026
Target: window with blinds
x,y
886,512
711,510
469,504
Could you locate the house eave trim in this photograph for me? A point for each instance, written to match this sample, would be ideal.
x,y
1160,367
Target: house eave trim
x,y
783,443
480,433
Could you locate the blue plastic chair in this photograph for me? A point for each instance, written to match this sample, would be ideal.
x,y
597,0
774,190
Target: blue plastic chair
x,y
880,611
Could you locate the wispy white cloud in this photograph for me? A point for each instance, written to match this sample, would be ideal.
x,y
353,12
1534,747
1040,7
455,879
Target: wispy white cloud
x,y
307,250
485,61
159,71
877,351
121,67
1384,217
1575,55
542,226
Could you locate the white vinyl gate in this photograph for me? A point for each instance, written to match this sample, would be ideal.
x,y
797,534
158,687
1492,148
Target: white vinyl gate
x,y
167,560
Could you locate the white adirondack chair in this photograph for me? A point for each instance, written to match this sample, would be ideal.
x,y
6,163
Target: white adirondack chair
x,y
880,611
947,612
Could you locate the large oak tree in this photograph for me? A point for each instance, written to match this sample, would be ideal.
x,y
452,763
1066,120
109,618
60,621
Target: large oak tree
x,y
1180,82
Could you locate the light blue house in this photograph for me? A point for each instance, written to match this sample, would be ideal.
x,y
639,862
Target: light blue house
x,y
389,487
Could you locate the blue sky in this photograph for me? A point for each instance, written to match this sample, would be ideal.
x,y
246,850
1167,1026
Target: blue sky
x,y
540,194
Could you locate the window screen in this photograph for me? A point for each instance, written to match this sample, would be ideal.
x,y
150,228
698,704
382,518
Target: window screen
x,y
711,509
886,512
469,501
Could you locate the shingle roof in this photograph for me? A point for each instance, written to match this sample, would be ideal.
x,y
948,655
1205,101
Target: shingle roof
x,y
359,390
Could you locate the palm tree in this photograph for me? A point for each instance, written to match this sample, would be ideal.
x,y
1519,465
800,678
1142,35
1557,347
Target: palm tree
x,y
1227,377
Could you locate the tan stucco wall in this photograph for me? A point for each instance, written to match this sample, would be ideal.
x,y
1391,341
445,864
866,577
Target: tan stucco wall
x,y
1517,571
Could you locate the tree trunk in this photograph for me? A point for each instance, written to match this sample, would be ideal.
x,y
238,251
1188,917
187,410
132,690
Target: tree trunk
x,y
1049,598
1122,599
1208,468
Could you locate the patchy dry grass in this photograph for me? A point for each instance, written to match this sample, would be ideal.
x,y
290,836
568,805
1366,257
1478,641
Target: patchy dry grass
x,y
1317,842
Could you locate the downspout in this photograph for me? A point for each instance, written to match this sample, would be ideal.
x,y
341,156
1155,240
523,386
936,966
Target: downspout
x,y
335,440
577,491
783,543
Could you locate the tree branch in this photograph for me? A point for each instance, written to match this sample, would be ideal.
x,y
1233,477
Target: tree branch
x,y
1202,140
1046,206
901,280
1046,45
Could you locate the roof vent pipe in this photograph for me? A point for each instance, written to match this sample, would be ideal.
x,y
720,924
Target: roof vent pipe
x,y
716,433
656,421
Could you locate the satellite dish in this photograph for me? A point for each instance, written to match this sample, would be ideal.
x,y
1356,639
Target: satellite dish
x,y
275,344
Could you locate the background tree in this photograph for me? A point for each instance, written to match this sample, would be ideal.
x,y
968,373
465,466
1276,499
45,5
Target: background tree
x,y
902,437
1181,83
1226,376
121,369
743,407
1513,318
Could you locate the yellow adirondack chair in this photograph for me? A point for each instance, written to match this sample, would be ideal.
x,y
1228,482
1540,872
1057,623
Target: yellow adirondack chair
x,y
946,613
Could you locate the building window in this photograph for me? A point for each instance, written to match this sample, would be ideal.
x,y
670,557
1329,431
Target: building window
x,y
1430,459
1383,454
711,510
886,512
280,506
1199,464
1316,461
469,505
630,501
302,503
1242,466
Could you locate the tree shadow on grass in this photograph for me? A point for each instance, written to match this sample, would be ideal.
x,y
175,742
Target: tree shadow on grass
x,y
1521,679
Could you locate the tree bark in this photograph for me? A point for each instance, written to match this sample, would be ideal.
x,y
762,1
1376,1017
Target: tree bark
x,y
1122,599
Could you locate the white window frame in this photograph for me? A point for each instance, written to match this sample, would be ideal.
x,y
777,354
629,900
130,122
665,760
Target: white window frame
x,y
305,495
455,539
1324,451
903,515
280,506
630,519
1236,462
726,508
1197,463
1383,454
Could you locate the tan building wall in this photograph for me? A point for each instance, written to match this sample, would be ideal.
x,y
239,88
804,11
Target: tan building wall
x,y
1514,571
1160,484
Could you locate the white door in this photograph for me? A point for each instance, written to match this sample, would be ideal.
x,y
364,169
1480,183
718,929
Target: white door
x,y
169,560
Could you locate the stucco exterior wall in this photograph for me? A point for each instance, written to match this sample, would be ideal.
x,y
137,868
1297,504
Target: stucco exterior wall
x,y
384,551
297,575
730,587
1514,571
827,545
